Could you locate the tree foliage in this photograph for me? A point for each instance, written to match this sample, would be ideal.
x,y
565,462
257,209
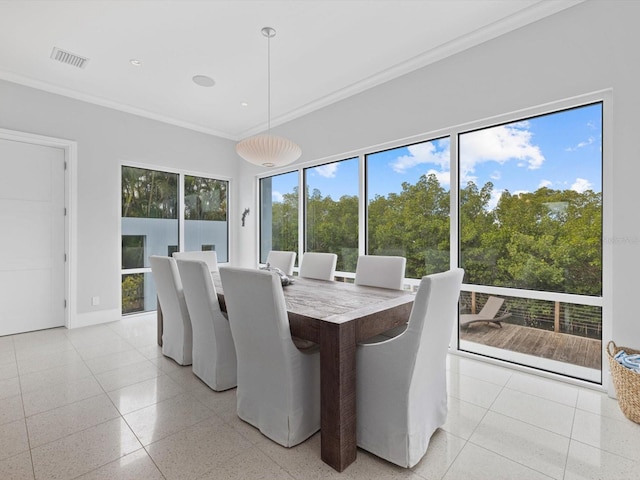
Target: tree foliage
x,y
332,226
154,194
149,193
548,240
285,222
205,199
413,224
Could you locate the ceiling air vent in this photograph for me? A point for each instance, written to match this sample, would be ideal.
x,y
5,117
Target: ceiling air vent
x,y
69,58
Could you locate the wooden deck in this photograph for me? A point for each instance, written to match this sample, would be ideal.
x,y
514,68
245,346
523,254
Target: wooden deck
x,y
585,352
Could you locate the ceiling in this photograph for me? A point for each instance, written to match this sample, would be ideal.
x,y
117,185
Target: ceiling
x,y
324,50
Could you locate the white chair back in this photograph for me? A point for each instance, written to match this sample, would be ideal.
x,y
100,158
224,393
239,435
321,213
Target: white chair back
x,y
401,382
278,385
214,354
282,260
321,266
177,337
208,256
381,271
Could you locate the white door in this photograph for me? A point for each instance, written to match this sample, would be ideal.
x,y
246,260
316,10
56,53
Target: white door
x,y
32,237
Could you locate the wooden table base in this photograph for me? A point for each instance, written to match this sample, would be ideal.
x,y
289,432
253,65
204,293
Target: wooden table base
x,y
338,394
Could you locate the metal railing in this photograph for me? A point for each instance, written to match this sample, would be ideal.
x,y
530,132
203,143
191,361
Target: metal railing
x,y
555,316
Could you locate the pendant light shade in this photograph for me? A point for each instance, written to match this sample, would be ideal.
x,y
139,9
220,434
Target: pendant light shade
x,y
268,150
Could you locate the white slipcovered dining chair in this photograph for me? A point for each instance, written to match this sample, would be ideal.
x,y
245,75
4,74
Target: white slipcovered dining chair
x,y
214,354
384,272
380,271
208,256
401,392
278,385
282,260
177,337
321,266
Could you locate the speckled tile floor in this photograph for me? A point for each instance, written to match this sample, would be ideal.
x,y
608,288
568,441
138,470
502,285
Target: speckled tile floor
x,y
103,403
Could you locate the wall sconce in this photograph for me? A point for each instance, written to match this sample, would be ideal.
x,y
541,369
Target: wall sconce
x,y
244,215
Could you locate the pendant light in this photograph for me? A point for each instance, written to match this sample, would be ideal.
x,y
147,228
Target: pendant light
x,y
268,150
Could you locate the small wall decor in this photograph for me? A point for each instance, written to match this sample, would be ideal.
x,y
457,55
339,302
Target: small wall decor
x,y
244,215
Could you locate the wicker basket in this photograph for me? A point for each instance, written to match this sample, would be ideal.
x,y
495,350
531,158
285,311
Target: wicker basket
x,y
627,383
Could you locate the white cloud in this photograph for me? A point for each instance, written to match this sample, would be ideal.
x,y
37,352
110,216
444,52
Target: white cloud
x,y
444,178
581,185
328,171
465,179
496,175
499,144
276,196
580,145
427,152
545,183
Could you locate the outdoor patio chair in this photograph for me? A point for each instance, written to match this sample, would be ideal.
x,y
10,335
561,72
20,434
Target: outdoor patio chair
x,y
488,314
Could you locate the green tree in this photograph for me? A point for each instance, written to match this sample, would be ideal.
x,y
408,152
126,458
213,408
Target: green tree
x,y
548,240
545,240
285,222
149,194
413,224
205,199
477,226
332,226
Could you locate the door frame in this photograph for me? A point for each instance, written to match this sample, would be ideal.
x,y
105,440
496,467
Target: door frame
x,y
70,149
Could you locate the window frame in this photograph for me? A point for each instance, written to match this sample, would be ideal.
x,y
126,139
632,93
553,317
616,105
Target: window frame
x,y
366,190
181,220
303,196
604,301
259,209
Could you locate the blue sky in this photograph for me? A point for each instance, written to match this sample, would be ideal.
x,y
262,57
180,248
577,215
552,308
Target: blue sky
x,y
561,151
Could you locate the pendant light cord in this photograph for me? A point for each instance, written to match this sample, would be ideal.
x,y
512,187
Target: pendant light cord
x,y
268,150
268,84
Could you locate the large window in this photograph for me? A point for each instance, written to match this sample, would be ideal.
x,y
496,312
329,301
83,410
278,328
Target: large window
x,y
531,219
278,214
150,225
408,205
205,215
331,211
524,218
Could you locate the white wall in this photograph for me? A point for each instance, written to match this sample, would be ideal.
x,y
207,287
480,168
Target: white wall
x,y
105,138
587,48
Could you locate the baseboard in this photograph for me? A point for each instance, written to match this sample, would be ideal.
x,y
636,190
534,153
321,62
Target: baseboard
x,y
95,318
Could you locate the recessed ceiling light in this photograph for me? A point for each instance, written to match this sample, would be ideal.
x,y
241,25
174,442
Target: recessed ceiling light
x,y
244,104
203,81
135,62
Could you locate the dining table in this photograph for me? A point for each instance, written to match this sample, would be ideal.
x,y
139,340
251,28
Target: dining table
x,y
337,316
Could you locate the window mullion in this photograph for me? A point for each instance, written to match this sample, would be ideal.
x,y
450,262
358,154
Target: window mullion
x,y
181,238
302,226
362,207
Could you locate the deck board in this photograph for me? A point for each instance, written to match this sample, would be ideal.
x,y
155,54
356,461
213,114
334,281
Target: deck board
x,y
585,352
